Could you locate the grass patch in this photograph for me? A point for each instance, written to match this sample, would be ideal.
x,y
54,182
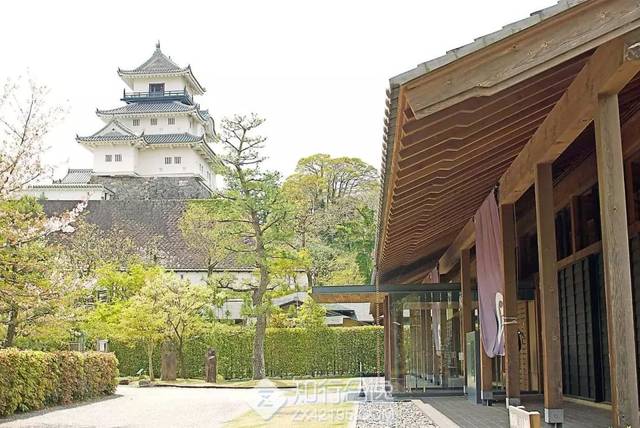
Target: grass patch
x,y
307,415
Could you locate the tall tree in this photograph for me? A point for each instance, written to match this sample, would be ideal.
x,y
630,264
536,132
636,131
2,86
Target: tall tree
x,y
334,201
33,282
180,304
249,220
26,117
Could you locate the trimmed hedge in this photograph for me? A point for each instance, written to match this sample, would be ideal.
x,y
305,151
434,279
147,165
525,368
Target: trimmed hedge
x,y
30,380
289,352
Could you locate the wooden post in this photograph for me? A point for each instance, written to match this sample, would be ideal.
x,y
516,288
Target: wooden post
x,y
486,375
465,310
549,304
429,345
444,363
617,270
512,353
387,339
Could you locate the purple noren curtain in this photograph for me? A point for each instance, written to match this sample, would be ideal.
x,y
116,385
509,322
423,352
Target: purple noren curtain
x,y
490,279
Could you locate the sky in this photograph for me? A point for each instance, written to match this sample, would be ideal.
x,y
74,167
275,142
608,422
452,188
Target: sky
x,y
317,71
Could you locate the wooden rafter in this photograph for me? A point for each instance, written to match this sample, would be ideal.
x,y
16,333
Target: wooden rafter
x,y
610,68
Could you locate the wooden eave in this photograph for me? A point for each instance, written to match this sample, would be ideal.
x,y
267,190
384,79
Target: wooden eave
x,y
460,127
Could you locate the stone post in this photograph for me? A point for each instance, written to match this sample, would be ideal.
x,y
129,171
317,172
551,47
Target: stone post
x,y
211,366
169,365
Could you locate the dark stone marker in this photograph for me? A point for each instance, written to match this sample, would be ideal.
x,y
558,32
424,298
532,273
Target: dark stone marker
x,y
211,366
169,366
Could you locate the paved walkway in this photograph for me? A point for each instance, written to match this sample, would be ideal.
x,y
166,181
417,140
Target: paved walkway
x,y
468,415
138,407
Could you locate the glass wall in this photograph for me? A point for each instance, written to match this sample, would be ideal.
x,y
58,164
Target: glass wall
x,y
425,342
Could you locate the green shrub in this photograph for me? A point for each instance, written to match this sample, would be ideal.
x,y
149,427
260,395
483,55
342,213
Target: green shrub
x,y
30,380
289,352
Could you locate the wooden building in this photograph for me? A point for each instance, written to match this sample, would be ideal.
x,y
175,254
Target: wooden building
x,y
545,114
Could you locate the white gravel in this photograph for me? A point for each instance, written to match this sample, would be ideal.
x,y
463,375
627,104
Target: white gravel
x,y
142,407
391,414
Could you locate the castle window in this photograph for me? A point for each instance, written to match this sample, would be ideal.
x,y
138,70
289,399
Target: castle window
x,y
156,88
154,121
118,158
171,121
177,159
107,158
167,160
136,122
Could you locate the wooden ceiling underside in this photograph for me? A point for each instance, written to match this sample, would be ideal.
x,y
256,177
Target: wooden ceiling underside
x,y
448,162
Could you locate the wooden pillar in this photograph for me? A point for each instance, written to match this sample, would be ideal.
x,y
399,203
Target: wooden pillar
x,y
387,339
444,338
465,310
486,374
429,345
510,313
549,304
617,270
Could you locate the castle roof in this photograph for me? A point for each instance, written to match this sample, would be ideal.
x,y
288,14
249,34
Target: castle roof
x,y
142,108
153,223
114,132
77,176
161,65
137,109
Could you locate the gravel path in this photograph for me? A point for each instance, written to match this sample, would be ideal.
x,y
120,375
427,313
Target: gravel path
x,y
143,407
392,415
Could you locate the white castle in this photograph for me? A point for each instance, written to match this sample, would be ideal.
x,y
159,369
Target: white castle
x,y
156,146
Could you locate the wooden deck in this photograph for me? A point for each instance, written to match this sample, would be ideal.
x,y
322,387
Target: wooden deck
x,y
468,415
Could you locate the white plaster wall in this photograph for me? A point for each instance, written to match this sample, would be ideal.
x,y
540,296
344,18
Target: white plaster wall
x,y
127,166
151,161
65,194
183,124
240,278
170,83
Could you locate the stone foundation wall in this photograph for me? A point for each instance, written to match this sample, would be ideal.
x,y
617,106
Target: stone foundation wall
x,y
153,187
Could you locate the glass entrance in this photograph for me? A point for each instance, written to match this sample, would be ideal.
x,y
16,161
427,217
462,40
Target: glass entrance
x,y
426,342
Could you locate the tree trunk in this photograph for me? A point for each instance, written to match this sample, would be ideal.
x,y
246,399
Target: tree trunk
x,y
258,347
12,325
150,360
183,374
309,279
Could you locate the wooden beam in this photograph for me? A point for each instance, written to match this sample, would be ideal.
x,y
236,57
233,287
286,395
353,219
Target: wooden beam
x,y
524,54
465,240
617,269
608,70
549,304
509,268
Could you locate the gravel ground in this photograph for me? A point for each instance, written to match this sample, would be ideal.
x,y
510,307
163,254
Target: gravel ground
x,y
143,407
391,414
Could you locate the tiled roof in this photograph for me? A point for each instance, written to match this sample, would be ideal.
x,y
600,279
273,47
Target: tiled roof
x,y
76,176
150,223
135,108
298,297
171,138
157,63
